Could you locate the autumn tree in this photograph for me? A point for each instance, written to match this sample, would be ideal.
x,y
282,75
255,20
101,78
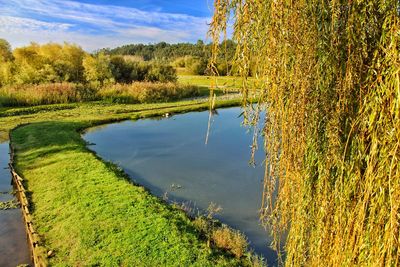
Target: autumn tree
x,y
327,74
97,69
48,63
5,51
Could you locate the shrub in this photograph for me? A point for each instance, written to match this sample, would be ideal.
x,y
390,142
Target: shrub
x,y
139,71
127,71
161,73
197,66
204,225
224,237
231,240
192,65
179,62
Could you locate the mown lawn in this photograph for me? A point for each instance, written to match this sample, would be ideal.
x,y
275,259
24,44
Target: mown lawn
x,y
84,209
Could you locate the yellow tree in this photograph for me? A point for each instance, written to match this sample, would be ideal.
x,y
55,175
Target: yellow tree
x,y
5,51
97,69
6,64
328,73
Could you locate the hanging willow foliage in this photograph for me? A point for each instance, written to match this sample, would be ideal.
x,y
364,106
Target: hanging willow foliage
x,y
327,72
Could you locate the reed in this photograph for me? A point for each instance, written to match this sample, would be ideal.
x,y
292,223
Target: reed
x,y
61,93
147,92
231,240
41,94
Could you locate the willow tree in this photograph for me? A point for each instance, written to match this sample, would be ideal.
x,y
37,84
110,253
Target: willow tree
x,y
327,72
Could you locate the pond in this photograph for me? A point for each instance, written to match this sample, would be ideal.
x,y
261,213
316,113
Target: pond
x,y
13,242
169,157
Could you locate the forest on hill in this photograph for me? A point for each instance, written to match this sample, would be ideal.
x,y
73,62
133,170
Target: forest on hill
x,y
191,57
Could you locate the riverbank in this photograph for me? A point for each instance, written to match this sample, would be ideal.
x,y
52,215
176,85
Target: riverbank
x,y
84,209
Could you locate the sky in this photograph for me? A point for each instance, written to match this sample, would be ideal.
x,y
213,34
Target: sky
x,y
103,23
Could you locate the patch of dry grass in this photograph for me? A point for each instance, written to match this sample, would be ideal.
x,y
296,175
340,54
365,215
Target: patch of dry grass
x,y
231,240
42,94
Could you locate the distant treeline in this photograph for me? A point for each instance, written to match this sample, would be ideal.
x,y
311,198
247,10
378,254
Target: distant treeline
x,y
55,63
193,57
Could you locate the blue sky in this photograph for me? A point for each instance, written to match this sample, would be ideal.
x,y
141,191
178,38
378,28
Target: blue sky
x,y
97,24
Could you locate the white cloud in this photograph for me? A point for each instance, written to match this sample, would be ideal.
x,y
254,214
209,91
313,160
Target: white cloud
x,y
8,23
93,26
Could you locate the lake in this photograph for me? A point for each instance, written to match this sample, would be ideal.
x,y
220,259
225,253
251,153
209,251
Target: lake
x,y
170,158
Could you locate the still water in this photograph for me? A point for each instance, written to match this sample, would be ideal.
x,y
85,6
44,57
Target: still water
x,y
13,243
169,156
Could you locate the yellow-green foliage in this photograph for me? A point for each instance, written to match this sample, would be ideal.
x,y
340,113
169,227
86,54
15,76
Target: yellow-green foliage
x,y
47,63
97,69
329,73
192,65
5,51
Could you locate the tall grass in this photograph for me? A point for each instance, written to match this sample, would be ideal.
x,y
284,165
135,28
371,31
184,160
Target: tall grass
x,y
231,240
147,92
59,93
53,93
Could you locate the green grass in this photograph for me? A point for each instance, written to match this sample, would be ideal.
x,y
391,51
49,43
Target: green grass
x,y
84,209
228,83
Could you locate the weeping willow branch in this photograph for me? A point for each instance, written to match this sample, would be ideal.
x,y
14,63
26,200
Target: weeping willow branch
x,y
327,73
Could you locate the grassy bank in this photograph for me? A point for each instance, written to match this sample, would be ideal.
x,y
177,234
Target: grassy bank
x,y
84,208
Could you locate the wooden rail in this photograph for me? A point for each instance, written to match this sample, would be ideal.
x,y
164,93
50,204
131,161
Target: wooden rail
x,y
38,252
